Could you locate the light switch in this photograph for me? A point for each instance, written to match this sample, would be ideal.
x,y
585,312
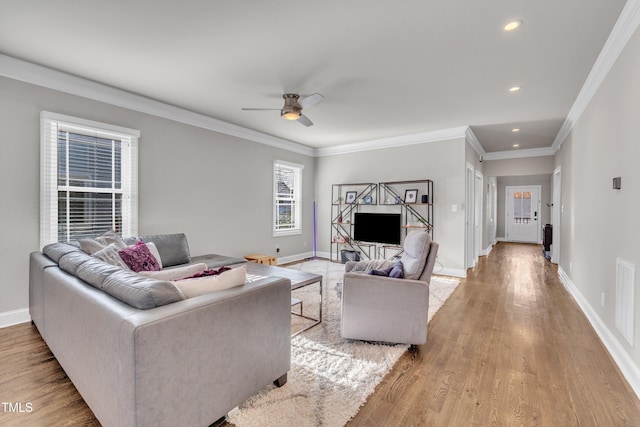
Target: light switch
x,y
454,208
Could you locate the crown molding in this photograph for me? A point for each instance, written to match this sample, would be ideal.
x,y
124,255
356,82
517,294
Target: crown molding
x,y
519,154
39,75
622,31
473,141
392,142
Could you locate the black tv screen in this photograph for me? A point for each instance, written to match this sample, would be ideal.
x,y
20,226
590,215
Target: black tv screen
x,y
377,228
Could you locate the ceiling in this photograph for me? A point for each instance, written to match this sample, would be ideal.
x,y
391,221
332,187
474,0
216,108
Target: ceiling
x,y
386,69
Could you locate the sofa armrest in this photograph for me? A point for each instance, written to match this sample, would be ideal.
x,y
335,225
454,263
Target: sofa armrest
x,y
377,308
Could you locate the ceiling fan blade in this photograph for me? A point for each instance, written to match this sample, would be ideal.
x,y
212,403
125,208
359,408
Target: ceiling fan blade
x,y
309,101
305,120
261,109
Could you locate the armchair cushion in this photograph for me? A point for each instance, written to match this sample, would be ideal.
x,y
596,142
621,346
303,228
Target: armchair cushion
x,y
416,250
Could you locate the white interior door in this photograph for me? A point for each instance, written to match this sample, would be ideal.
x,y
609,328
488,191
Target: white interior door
x,y
523,214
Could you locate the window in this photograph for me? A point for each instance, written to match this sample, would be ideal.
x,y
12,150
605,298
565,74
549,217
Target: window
x,y
522,211
89,179
287,199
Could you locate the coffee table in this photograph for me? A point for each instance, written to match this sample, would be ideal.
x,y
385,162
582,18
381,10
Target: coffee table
x,y
299,279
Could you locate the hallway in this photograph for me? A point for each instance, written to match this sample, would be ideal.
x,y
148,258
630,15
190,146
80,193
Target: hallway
x,y
510,347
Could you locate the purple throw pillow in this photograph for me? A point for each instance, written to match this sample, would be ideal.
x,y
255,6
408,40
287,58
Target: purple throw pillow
x,y
382,272
397,271
139,258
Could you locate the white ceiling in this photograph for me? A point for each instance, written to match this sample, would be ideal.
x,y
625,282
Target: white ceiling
x,y
386,68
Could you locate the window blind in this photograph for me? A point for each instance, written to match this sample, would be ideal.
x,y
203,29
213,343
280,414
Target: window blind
x,y
287,198
88,179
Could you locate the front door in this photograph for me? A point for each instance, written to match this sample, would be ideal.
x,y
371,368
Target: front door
x,y
523,214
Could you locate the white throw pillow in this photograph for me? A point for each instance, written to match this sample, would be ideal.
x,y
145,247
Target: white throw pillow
x,y
204,285
175,273
154,251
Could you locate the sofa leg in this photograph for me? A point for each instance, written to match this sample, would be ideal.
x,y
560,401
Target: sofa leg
x,y
280,381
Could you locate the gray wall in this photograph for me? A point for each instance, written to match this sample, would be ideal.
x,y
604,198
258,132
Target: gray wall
x,y
215,188
516,167
598,223
443,162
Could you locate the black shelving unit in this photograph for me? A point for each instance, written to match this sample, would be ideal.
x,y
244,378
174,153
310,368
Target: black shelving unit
x,y
342,214
415,213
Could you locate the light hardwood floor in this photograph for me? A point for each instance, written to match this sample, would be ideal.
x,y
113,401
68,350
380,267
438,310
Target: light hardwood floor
x,y
509,348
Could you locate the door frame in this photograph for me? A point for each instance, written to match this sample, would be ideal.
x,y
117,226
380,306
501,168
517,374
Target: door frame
x,y
478,217
506,211
469,214
556,210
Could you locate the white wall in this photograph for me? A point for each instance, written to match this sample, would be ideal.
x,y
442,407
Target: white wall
x,y
598,223
215,188
443,162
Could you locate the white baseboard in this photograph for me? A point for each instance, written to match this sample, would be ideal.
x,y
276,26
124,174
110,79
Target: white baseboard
x,y
454,272
486,251
10,318
627,366
294,258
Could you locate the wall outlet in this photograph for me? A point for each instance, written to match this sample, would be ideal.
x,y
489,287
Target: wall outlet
x,y
277,250
454,208
602,299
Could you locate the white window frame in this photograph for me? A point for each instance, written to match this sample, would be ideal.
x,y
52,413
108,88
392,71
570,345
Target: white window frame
x,y
50,123
296,198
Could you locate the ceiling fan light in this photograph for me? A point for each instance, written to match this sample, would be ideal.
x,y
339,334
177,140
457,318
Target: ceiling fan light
x,y
291,115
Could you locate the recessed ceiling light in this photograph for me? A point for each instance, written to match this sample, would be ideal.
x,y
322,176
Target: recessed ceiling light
x,y
512,25
514,89
515,130
516,145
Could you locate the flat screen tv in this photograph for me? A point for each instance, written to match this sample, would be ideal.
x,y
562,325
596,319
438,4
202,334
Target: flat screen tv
x,y
377,228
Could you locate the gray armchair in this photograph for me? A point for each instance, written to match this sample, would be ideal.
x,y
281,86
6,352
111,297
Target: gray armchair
x,y
378,308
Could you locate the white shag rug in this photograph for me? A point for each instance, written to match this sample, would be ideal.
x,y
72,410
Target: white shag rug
x,y
330,377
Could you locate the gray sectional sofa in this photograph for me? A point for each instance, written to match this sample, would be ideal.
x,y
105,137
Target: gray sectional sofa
x,y
181,362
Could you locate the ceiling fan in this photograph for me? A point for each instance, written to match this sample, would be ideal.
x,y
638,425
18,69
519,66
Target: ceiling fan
x,y
293,105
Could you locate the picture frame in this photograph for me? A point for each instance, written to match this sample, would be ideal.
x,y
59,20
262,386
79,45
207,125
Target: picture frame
x,y
350,197
411,196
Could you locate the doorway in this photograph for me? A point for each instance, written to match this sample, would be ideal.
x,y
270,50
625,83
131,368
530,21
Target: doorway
x,y
523,214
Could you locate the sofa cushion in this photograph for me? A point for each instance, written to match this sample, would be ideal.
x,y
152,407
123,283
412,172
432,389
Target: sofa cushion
x,y
215,260
110,254
94,271
72,260
138,258
175,273
140,292
416,246
56,250
203,285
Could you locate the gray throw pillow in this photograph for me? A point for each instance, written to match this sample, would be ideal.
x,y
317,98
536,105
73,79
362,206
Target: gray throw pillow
x,y
110,255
